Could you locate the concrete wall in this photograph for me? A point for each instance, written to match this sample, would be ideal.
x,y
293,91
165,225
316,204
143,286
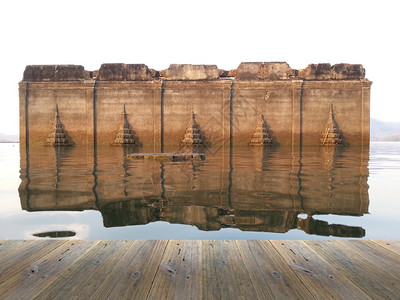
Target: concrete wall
x,y
275,100
38,107
209,100
143,106
295,103
350,106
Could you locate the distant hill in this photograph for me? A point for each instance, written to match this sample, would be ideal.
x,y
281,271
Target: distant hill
x,y
385,131
8,138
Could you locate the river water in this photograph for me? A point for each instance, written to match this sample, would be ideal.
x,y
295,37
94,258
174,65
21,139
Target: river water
x,y
235,193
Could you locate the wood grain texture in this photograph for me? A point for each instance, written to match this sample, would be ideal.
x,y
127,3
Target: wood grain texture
x,y
41,273
393,246
321,278
280,279
10,248
361,272
21,258
383,260
225,275
136,280
190,269
85,273
179,273
6,245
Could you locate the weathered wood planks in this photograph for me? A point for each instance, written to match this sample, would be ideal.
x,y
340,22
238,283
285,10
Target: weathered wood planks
x,y
44,270
270,273
137,279
367,275
187,269
322,280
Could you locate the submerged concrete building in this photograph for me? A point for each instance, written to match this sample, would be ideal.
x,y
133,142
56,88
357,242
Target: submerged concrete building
x,y
258,104
295,105
155,107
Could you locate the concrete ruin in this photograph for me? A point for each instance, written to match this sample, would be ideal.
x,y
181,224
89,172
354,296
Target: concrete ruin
x,y
295,104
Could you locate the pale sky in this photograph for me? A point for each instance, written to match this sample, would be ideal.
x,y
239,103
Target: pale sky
x,y
225,33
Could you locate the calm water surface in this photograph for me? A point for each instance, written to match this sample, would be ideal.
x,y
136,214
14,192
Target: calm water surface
x,y
239,193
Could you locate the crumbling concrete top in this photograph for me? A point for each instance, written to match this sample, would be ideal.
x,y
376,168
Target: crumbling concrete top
x,y
264,71
247,71
191,72
335,72
125,72
55,73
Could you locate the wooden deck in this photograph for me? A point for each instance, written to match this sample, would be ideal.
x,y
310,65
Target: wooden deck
x,y
69,269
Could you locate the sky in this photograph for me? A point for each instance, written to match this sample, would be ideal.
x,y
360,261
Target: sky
x,y
226,33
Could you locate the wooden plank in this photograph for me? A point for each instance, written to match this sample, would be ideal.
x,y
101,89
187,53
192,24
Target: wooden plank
x,y
93,281
137,281
113,276
374,283
179,273
224,274
21,258
259,276
379,257
199,269
134,282
188,279
5,245
9,247
14,246
27,283
83,278
320,278
393,246
269,272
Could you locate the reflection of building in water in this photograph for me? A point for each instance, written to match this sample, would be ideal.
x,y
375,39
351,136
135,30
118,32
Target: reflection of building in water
x,y
345,188
56,179
257,189
130,212
312,226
